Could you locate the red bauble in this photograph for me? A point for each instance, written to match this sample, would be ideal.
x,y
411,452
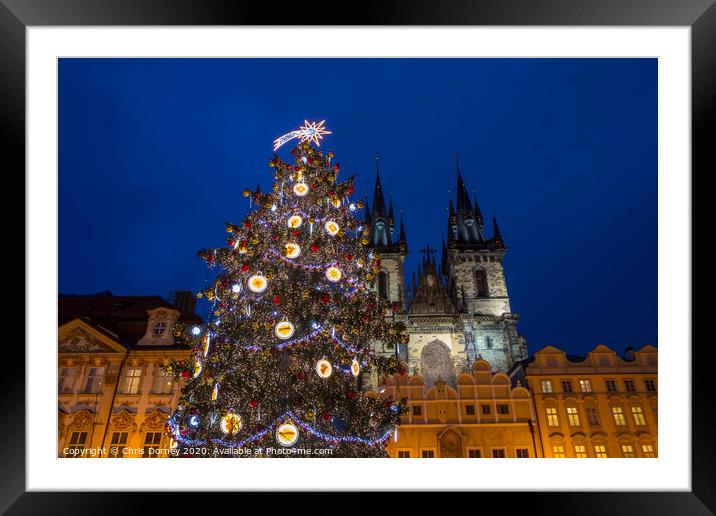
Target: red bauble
x,y
314,248
349,257
274,236
185,374
253,403
386,403
310,160
301,375
351,394
401,370
325,299
326,416
350,190
276,300
247,223
231,242
244,268
337,167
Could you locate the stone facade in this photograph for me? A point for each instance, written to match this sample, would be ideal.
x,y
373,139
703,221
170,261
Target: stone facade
x,y
460,305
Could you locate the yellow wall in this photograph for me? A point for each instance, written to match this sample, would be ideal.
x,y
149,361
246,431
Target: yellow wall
x,y
600,365
440,420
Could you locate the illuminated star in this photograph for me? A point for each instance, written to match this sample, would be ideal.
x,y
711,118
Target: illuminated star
x,y
309,132
313,132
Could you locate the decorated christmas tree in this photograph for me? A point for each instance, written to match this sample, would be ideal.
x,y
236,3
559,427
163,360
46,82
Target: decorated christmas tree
x,y
282,361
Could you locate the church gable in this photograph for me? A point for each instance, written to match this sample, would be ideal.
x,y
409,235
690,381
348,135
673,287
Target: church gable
x,y
79,337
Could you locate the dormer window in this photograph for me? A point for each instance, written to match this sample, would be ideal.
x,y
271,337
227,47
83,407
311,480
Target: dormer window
x,y
159,328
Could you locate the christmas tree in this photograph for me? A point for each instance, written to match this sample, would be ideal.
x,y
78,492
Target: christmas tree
x,y
281,363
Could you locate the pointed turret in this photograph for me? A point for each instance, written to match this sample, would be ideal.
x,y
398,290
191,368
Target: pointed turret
x,y
465,219
477,212
402,240
497,238
367,211
382,220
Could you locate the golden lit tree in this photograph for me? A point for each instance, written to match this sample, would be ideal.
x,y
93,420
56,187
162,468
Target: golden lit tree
x,y
280,364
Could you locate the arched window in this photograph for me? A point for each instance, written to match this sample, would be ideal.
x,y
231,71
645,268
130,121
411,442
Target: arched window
x,y
480,283
383,284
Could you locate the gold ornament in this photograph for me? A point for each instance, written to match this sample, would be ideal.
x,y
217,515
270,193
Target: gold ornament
x,y
300,189
333,274
287,434
197,369
332,227
355,367
231,423
336,202
258,283
293,250
324,368
294,222
285,329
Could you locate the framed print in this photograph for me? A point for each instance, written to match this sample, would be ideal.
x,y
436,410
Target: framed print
x,y
451,233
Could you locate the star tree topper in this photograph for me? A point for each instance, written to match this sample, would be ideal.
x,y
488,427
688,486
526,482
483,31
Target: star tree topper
x,y
309,132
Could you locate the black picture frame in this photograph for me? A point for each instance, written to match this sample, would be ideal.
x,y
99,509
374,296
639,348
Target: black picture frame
x,y
17,15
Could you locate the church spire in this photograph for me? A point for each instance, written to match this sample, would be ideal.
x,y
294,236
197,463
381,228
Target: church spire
x,y
378,198
465,221
402,240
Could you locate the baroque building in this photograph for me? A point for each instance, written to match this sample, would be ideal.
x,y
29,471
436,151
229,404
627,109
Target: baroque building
x,y
457,310
113,397
599,405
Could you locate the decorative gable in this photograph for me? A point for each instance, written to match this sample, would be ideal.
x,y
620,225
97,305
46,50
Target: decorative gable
x,y
79,340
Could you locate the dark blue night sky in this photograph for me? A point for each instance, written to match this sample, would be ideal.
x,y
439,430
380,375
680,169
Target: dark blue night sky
x,y
154,155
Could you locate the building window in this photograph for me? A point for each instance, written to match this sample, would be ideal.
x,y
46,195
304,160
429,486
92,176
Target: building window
x,y
474,453
486,410
383,285
152,445
163,383
546,386
428,454
580,451
480,283
638,416
132,379
592,416
552,419
159,328
116,447
470,410
77,442
417,410
557,451
629,386
648,450
94,379
585,386
503,408
403,454
650,385
567,386
522,453
627,450
498,453
68,376
611,386
488,342
618,414
600,451
573,416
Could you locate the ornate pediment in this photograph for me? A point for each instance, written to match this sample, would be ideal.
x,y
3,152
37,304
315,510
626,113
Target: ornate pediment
x,y
124,421
80,341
